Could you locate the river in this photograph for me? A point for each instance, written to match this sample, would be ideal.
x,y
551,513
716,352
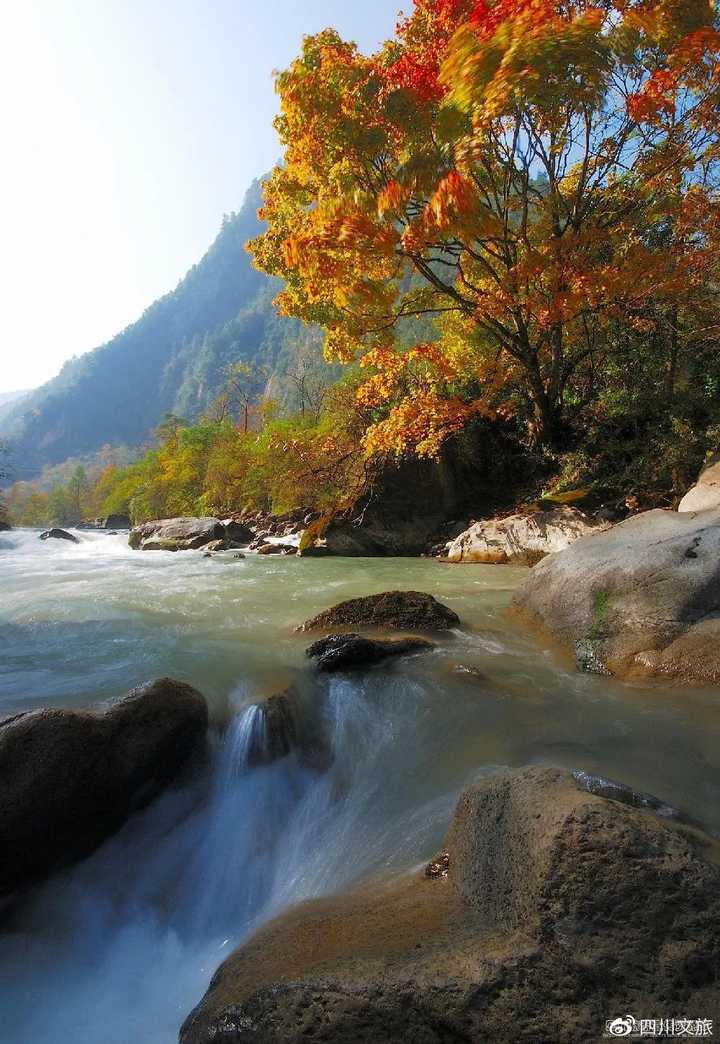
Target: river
x,y
118,949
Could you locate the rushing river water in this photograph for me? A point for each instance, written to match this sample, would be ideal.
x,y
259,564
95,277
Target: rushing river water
x,y
120,948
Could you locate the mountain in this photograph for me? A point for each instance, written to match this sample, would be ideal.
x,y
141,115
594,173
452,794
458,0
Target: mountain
x,y
170,361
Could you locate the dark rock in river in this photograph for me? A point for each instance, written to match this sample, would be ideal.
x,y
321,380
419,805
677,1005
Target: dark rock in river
x,y
399,610
238,533
342,652
70,778
59,534
288,723
642,599
549,911
5,527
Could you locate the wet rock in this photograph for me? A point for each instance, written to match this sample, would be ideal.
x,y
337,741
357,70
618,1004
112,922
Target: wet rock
x,y
549,911
523,539
342,652
70,778
223,545
5,527
398,610
610,788
176,534
59,534
287,723
277,549
705,493
632,601
238,533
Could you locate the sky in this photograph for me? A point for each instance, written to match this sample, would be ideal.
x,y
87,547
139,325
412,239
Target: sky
x,y
128,128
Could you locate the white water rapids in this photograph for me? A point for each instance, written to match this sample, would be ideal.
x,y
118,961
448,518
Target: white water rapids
x,y
119,949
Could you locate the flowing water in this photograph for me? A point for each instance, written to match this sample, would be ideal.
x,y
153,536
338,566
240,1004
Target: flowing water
x,y
120,948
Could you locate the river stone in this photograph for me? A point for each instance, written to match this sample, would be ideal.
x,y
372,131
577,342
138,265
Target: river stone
x,y
288,723
523,539
70,778
223,545
342,652
5,527
398,610
706,493
59,534
642,599
176,534
549,911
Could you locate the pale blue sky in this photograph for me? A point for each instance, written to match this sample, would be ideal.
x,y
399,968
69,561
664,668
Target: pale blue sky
x,y
128,128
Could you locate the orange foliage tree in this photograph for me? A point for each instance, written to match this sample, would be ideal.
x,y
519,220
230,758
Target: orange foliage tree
x,y
528,173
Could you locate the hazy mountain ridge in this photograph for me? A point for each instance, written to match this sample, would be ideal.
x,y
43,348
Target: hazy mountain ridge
x,y
170,360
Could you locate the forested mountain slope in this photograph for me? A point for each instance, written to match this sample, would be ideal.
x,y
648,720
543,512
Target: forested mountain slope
x,y
170,360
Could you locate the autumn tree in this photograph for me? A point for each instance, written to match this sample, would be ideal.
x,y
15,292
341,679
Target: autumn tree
x,y
534,174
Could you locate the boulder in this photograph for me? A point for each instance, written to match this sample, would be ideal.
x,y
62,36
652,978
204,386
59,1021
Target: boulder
x,y
223,545
115,522
5,527
398,610
642,599
706,493
176,534
287,723
523,539
343,652
59,534
549,911
70,778
240,534
277,549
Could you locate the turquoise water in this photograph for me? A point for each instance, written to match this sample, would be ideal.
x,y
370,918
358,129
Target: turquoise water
x,y
121,948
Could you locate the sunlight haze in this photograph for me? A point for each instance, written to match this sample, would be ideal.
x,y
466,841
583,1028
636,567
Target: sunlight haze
x,y
129,129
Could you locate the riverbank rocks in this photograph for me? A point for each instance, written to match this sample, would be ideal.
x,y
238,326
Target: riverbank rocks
x,y
59,534
705,494
186,534
70,778
642,599
549,911
277,549
343,652
523,539
396,610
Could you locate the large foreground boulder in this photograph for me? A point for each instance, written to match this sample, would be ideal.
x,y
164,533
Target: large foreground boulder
x,y
550,911
705,493
397,610
186,534
642,599
70,778
523,539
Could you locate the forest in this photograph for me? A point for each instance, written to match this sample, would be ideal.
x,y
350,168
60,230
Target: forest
x,y
508,217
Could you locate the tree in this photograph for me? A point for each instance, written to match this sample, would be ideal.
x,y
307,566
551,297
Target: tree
x,y
77,487
534,174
